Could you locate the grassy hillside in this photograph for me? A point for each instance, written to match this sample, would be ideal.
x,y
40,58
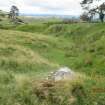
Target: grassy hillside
x,y
82,45
27,57
19,63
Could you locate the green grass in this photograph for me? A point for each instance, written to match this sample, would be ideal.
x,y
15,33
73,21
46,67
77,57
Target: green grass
x,y
29,52
31,27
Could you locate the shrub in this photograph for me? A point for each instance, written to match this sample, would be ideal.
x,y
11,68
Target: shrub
x,y
55,29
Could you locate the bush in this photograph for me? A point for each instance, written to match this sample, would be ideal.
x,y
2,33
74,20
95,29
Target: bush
x,y
84,17
70,21
56,29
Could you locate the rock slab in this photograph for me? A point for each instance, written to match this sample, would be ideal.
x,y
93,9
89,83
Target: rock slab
x,y
63,73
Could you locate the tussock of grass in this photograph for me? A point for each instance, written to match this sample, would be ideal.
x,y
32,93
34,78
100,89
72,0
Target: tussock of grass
x,y
61,92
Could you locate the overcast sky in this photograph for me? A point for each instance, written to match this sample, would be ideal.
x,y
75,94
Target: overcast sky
x,y
66,7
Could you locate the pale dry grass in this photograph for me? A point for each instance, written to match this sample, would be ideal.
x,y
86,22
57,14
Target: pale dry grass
x,y
14,41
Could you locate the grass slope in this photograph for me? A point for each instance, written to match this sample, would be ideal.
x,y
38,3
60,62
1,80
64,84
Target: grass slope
x,y
79,46
18,62
26,57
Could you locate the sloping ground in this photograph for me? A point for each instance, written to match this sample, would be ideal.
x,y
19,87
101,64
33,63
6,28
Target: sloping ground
x,y
78,46
15,54
25,57
19,63
87,50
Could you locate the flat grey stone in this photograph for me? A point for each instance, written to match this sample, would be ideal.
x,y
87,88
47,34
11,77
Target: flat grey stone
x,y
63,73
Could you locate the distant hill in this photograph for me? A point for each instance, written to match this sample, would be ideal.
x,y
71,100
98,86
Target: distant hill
x,y
3,12
50,16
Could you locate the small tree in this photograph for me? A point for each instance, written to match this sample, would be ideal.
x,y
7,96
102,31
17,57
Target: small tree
x,y
14,12
90,7
85,17
101,12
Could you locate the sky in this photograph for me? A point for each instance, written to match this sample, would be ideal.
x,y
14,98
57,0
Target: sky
x,y
60,7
